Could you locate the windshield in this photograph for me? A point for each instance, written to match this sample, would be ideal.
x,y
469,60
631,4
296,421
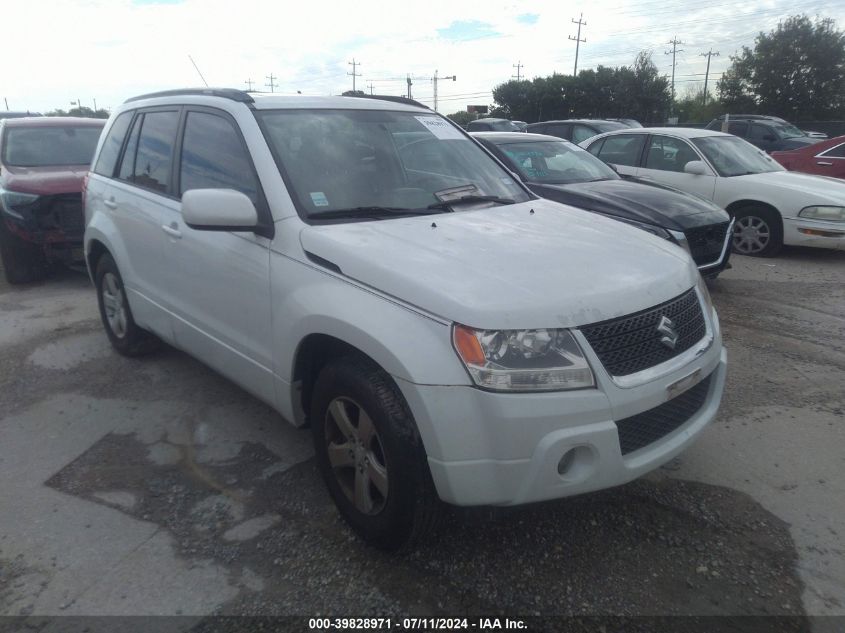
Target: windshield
x,y
787,130
339,160
731,156
50,146
556,162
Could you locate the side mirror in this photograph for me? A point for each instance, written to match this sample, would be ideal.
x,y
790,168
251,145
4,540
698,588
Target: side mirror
x,y
218,210
696,167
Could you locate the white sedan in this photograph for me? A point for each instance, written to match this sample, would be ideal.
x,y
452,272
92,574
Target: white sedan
x,y
772,206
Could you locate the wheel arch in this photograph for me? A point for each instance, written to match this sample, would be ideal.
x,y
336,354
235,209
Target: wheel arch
x,y
736,205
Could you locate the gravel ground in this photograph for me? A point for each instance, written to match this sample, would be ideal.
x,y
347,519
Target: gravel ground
x,y
157,487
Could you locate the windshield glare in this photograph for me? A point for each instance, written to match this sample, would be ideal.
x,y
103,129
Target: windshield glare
x,y
347,159
50,146
731,156
556,162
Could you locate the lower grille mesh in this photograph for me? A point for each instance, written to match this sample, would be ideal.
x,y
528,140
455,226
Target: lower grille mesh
x,y
649,426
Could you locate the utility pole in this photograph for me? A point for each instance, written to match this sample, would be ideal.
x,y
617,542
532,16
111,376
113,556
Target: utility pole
x,y
435,79
7,102
95,105
272,79
249,83
708,55
674,42
410,83
580,22
370,86
354,74
518,66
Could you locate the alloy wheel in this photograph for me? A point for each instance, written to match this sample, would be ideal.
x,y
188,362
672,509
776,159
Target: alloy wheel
x,y
751,235
114,304
356,455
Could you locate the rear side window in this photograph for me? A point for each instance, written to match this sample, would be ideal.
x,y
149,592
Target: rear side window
x,y
213,157
760,132
835,152
107,160
624,149
582,133
154,158
737,129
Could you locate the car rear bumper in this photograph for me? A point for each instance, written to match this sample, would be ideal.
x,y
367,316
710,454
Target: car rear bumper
x,y
817,233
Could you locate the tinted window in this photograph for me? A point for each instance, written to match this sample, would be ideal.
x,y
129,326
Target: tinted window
x,y
835,152
669,154
127,165
739,128
155,150
582,133
213,157
561,130
48,146
760,132
624,149
111,146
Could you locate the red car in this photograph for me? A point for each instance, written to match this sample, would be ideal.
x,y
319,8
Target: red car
x,y
825,158
42,164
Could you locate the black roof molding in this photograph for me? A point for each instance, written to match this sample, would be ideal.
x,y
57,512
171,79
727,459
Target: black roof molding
x,y
226,93
393,98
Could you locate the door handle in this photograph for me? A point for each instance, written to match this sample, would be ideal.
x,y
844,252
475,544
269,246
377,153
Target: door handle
x,y
111,204
825,164
172,231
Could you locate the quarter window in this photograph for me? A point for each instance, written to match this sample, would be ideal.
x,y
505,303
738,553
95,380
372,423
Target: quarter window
x,y
110,151
213,157
127,165
155,150
624,149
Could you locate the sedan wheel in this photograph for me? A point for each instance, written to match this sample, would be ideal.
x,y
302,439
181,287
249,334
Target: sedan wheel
x,y
751,235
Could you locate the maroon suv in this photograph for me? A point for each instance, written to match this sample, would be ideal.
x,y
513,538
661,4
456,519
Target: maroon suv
x,y
42,164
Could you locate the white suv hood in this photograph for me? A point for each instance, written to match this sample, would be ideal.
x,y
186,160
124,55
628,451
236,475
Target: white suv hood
x,y
505,267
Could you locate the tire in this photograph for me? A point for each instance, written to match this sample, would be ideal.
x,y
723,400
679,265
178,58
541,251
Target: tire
x,y
23,262
380,480
125,335
758,232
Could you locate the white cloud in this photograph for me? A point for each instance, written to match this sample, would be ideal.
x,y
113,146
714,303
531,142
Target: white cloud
x,y
113,49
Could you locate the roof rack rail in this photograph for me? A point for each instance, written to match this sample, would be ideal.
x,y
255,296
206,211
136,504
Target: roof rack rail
x,y
393,98
227,93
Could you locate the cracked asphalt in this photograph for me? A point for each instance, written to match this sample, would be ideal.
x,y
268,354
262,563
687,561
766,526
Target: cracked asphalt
x,y
156,487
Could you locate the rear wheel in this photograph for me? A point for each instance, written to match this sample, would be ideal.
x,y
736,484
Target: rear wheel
x,y
758,232
370,454
125,335
23,262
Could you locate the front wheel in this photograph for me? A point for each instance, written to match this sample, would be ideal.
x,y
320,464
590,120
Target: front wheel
x,y
758,232
125,335
370,454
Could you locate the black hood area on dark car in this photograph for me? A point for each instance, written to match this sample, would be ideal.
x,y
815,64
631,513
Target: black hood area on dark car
x,y
633,200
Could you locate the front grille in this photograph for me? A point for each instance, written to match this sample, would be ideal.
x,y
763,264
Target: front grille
x,y
706,242
629,344
649,426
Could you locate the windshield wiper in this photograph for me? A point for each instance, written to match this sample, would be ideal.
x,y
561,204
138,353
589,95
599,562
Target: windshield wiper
x,y
446,204
368,212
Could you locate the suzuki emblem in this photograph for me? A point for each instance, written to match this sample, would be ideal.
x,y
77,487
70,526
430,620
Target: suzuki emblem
x,y
667,328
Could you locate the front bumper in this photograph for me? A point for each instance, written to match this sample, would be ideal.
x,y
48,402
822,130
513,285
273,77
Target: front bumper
x,y
817,233
487,448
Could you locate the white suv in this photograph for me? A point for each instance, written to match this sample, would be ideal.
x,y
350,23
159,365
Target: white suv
x,y
364,266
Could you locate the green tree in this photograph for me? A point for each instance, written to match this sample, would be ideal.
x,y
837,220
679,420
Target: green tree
x,y
462,117
88,113
796,71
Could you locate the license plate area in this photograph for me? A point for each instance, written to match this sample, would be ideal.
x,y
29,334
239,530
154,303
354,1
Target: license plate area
x,y
680,386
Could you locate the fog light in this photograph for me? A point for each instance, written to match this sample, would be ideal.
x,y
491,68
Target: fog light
x,y
577,463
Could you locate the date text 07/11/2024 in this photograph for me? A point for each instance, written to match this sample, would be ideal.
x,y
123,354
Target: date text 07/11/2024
x,y
415,624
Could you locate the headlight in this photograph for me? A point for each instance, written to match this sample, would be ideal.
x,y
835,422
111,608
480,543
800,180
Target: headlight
x,y
13,199
835,214
705,295
523,360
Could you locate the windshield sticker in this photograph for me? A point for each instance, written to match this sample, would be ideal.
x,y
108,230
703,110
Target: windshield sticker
x,y
319,199
440,128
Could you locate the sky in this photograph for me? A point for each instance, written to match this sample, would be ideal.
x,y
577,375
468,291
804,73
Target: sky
x,y
61,51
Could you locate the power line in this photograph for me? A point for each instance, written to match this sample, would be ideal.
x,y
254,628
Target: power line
x,y
580,22
354,74
708,55
249,83
518,66
272,85
198,71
